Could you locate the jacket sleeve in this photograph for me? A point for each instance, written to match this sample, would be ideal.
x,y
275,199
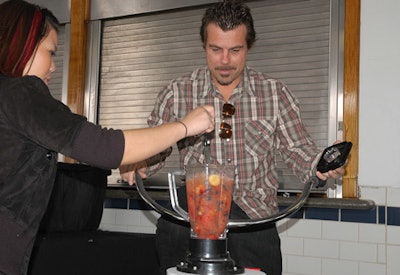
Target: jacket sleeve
x,y
35,114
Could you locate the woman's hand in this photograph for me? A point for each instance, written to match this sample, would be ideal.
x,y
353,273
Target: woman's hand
x,y
200,120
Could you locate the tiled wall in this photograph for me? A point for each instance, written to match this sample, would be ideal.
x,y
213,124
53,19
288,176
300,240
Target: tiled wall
x,y
315,240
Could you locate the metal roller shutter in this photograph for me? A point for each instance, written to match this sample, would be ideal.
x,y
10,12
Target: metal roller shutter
x,y
56,83
141,54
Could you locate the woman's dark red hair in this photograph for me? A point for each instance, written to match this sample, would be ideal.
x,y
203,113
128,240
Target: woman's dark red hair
x,y
22,27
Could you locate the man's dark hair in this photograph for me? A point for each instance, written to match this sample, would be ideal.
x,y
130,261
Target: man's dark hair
x,y
228,15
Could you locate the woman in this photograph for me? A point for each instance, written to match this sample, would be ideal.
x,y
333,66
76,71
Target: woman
x,y
34,127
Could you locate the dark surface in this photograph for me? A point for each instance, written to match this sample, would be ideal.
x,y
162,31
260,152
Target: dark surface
x,y
76,201
95,252
69,242
122,192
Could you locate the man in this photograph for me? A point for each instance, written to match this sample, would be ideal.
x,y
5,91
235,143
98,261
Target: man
x,y
259,117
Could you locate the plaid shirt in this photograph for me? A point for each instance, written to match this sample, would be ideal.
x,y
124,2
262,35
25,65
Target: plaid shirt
x,y
266,122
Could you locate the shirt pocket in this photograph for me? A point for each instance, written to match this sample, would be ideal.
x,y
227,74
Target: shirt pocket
x,y
259,137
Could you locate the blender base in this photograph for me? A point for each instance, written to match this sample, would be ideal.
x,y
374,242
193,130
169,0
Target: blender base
x,y
174,271
209,257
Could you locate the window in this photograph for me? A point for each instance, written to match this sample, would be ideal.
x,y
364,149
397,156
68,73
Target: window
x,y
298,42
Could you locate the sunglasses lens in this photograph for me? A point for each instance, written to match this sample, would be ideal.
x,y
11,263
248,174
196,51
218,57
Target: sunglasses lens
x,y
228,110
225,130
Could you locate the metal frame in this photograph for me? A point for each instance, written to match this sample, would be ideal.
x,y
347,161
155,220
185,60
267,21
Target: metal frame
x,y
101,10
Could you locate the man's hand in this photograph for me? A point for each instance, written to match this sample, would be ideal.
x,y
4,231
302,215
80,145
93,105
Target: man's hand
x,y
336,173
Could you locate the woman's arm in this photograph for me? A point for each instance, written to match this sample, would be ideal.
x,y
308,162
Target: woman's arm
x,y
141,144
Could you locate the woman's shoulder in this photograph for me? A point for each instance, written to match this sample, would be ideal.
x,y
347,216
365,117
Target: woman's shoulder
x,y
27,84
27,93
24,81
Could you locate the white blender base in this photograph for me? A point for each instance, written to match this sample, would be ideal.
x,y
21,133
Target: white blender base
x,y
174,271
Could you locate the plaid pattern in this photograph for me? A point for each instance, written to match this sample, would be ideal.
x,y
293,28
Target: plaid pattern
x,y
266,122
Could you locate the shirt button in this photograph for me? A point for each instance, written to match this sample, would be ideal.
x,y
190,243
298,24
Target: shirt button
x,y
49,155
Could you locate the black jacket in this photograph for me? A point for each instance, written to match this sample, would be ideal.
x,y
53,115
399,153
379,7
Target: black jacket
x,y
33,128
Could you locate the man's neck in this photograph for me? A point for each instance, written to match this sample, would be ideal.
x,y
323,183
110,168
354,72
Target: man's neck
x,y
227,90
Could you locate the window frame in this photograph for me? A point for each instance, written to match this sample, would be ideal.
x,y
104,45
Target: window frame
x,y
351,76
350,92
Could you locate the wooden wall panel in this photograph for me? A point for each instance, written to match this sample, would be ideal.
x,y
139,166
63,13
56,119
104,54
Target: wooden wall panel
x,y
351,94
77,61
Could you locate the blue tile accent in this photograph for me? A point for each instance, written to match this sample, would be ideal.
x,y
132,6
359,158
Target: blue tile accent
x,y
330,214
116,203
361,216
297,215
379,214
382,214
393,216
142,205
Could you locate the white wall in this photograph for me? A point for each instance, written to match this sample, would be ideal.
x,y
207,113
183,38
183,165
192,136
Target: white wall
x,y
379,93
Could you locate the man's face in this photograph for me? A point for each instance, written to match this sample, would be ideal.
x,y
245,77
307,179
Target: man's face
x,y
226,54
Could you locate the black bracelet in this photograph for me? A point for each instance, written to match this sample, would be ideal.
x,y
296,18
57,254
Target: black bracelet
x,y
184,125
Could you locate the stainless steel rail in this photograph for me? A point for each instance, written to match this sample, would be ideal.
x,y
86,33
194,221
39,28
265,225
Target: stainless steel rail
x,y
295,206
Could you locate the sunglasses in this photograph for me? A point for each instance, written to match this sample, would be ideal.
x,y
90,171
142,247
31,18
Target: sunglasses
x,y
225,129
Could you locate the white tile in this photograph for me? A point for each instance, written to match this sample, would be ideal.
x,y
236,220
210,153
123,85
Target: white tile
x,y
141,229
113,227
290,245
393,195
358,251
282,226
303,265
284,263
393,235
375,193
382,254
128,217
304,228
335,267
372,269
321,248
345,231
149,218
109,216
372,233
393,262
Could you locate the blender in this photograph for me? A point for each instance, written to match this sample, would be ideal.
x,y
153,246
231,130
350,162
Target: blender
x,y
209,190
